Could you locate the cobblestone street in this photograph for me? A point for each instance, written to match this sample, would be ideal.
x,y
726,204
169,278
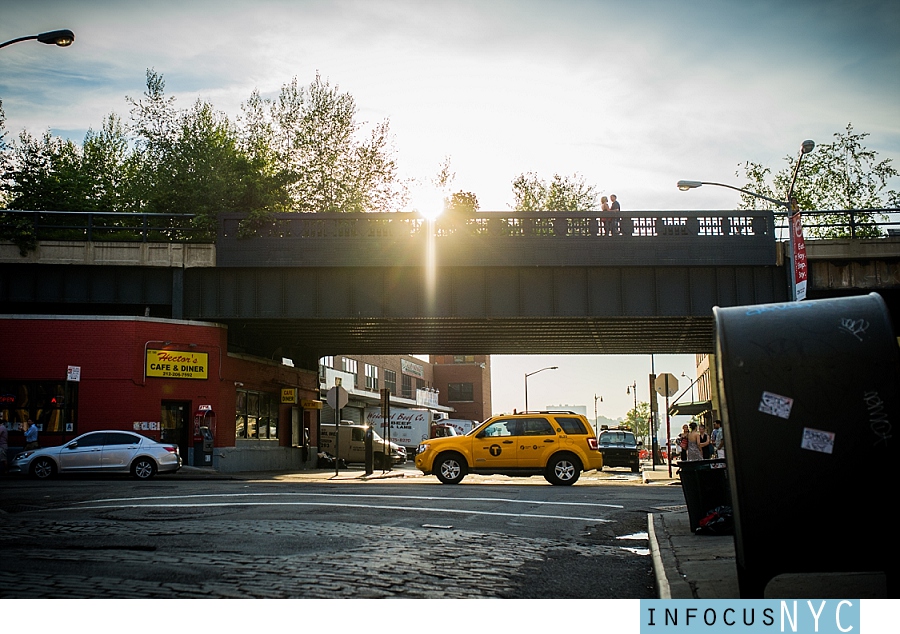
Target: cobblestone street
x,y
322,560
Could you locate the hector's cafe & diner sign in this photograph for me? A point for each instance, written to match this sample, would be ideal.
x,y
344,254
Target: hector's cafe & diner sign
x,y
174,364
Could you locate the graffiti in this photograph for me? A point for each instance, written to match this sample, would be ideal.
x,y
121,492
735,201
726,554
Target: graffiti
x,y
855,327
878,418
772,308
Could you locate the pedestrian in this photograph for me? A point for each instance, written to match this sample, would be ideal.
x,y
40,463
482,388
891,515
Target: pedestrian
x,y
708,447
615,206
719,442
695,445
683,441
31,435
4,447
604,203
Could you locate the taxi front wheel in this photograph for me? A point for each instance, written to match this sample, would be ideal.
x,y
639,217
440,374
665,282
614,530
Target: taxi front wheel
x,y
450,469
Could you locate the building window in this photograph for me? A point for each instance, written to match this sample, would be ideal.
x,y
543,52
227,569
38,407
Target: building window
x,y
328,362
256,415
406,390
468,358
372,377
350,366
52,405
457,392
390,381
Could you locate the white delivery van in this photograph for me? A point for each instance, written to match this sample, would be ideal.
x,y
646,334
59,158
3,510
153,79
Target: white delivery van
x,y
353,445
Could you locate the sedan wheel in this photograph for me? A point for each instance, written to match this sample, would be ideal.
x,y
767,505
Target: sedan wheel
x,y
143,469
43,468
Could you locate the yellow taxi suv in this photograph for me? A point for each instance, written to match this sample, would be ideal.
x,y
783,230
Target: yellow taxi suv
x,y
557,445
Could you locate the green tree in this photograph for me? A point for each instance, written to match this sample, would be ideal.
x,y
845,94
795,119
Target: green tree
x,y
562,193
196,161
839,176
639,420
462,202
317,141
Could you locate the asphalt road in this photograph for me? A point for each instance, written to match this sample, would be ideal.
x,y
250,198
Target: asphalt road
x,y
184,537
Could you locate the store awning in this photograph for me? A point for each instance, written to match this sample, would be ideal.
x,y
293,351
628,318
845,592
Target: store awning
x,y
690,409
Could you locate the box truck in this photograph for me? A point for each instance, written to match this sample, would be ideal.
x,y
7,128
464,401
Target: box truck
x,y
409,427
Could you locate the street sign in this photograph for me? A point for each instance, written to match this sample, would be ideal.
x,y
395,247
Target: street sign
x,y
337,397
666,385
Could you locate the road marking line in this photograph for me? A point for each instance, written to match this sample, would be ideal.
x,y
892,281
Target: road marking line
x,y
428,498
362,506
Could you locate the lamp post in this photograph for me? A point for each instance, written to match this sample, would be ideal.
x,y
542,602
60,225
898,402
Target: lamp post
x,y
797,246
632,389
596,422
528,374
63,37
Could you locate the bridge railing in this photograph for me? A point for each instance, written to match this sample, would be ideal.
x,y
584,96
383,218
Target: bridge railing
x,y
97,226
837,224
477,239
501,239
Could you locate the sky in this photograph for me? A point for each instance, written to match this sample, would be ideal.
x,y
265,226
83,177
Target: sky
x,y
632,95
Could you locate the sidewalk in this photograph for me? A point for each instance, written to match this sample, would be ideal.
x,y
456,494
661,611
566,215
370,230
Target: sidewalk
x,y
688,566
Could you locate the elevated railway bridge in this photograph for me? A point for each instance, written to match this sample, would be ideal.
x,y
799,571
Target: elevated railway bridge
x,y
307,285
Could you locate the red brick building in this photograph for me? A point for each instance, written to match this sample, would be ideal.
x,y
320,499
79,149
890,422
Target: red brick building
x,y
464,383
161,377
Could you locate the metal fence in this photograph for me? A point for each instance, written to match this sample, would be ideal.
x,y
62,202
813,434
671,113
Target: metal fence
x,y
93,226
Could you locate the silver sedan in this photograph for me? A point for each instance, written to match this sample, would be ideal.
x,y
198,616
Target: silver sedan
x,y
109,451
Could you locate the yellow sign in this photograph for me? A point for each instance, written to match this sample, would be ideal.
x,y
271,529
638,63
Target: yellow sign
x,y
308,403
288,395
174,364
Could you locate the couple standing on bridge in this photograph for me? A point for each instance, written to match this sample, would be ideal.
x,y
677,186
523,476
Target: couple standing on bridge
x,y
610,227
605,206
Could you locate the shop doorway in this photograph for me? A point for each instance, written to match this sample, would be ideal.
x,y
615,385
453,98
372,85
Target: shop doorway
x,y
174,424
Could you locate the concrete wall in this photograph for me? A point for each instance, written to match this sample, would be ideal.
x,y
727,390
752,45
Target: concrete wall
x,y
261,456
164,254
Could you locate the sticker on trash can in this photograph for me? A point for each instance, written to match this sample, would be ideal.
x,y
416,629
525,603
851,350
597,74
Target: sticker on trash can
x,y
817,440
776,405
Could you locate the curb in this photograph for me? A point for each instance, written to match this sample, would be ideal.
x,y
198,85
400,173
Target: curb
x,y
670,584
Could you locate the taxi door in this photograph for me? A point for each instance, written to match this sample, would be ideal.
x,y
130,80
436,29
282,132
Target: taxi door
x,y
495,446
536,443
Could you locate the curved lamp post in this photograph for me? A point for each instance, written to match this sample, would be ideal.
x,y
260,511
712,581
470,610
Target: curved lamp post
x,y
62,37
798,249
528,374
632,389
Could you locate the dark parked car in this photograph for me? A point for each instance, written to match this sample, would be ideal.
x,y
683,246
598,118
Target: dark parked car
x,y
109,451
620,449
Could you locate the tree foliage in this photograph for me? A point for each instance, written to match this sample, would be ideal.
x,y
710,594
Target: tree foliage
x,y
304,151
562,193
841,175
639,420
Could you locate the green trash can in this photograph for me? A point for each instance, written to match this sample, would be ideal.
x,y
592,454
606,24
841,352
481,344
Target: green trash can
x,y
705,486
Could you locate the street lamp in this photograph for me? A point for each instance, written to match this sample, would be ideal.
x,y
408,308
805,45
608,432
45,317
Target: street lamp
x,y
797,246
62,37
596,421
528,374
632,389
